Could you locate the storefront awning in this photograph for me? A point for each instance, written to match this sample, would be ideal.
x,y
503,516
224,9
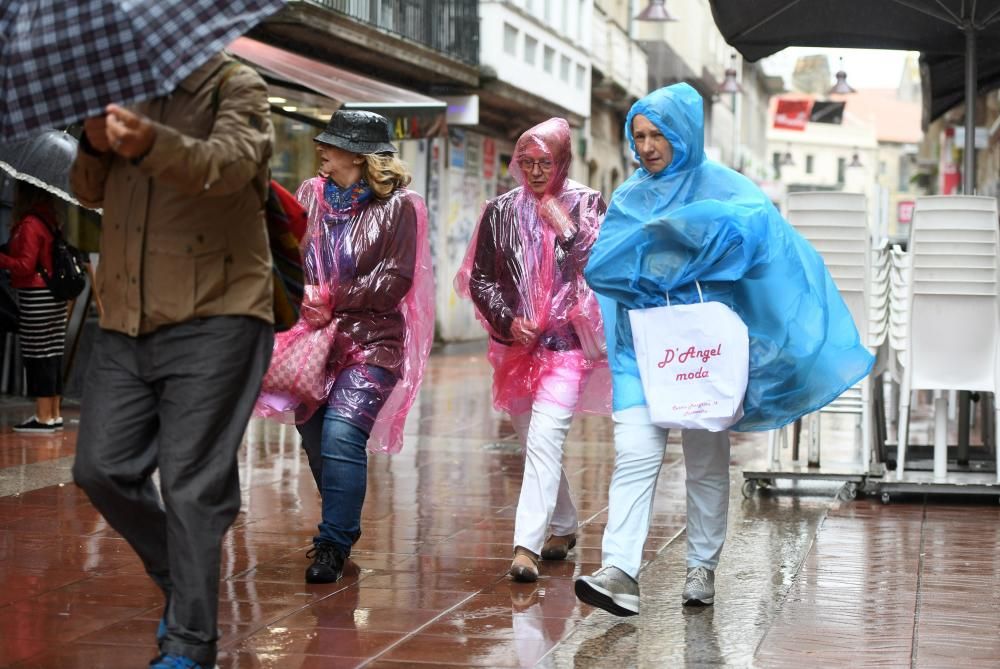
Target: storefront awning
x,y
412,114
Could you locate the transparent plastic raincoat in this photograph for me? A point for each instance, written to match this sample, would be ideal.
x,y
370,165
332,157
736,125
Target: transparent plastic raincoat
x,y
525,261
369,286
698,220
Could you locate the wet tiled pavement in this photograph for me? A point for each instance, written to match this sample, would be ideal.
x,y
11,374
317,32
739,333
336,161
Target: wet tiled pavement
x,y
806,580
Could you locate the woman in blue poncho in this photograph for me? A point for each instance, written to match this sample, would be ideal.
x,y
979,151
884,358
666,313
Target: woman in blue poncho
x,y
682,218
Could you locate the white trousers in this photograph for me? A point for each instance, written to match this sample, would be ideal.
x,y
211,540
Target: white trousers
x,y
639,450
546,504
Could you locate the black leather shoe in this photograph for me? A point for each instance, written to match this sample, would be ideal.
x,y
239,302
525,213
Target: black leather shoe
x,y
328,564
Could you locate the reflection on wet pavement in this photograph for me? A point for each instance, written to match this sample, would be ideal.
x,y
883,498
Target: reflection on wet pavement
x,y
427,586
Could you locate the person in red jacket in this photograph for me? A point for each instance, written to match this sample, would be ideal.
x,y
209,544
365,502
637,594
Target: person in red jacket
x,y
42,326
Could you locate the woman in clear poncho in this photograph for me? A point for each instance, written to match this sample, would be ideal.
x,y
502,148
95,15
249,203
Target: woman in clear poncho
x,y
679,219
369,285
523,273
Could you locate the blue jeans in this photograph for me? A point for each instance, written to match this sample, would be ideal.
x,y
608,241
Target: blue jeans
x,y
338,456
336,441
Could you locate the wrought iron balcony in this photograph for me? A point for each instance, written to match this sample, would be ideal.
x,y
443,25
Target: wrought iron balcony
x,y
450,27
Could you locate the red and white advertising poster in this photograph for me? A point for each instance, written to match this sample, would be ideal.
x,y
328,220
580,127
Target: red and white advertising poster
x,y
904,211
950,177
792,114
489,157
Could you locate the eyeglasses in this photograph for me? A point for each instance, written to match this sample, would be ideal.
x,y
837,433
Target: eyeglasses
x,y
528,165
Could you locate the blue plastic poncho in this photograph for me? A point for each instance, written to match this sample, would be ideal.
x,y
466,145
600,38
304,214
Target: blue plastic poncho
x,y
697,220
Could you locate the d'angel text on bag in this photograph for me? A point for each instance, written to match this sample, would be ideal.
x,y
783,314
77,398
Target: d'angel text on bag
x,y
691,353
682,357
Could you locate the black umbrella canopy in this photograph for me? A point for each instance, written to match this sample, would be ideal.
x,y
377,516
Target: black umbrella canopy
x,y
936,28
763,27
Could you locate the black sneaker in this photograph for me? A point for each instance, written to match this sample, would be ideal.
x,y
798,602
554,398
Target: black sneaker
x,y
328,563
33,425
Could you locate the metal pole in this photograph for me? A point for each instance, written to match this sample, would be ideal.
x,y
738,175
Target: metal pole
x,y
968,188
736,136
969,177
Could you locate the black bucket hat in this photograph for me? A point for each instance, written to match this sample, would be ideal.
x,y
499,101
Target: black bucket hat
x,y
358,132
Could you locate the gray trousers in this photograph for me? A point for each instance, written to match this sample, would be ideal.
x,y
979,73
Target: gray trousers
x,y
177,400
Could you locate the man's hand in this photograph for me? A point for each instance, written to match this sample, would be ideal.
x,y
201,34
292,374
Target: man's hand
x,y
130,135
97,134
523,330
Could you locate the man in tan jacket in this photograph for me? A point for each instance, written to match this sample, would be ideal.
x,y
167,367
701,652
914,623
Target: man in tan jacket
x,y
186,335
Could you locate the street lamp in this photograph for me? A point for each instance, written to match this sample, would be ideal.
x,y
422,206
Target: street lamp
x,y
655,11
841,86
855,160
732,86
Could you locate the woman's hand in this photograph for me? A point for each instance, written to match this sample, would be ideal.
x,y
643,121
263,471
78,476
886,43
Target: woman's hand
x,y
316,309
523,331
555,215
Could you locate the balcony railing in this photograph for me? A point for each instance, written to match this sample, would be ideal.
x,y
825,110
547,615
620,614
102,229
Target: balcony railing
x,y
450,27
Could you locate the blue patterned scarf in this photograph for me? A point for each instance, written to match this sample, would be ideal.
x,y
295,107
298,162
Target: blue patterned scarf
x,y
345,202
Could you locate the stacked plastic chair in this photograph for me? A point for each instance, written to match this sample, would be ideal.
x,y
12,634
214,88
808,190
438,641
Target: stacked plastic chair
x,y
899,297
950,320
836,224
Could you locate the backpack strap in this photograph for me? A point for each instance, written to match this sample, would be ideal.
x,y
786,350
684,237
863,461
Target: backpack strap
x,y
228,69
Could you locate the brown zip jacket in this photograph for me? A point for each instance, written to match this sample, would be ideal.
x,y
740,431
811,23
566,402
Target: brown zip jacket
x,y
183,234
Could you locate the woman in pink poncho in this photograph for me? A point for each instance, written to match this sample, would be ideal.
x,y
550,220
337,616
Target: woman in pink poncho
x,y
523,273
369,285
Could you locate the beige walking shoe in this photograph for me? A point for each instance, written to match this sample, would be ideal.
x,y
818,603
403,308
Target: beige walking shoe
x,y
524,568
557,548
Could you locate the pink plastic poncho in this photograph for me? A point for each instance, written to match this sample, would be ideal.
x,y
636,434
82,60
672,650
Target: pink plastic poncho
x,y
524,265
363,292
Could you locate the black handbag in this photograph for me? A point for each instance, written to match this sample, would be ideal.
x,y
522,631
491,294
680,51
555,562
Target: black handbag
x,y
10,314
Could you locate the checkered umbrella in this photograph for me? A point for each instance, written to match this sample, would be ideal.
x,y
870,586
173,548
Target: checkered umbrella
x,y
63,61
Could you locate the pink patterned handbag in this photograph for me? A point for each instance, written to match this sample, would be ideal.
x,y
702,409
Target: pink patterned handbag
x,y
298,369
298,363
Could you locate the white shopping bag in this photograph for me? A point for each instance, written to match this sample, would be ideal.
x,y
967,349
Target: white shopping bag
x,y
693,361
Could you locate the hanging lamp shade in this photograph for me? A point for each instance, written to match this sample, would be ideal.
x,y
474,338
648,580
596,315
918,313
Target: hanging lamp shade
x,y
656,10
841,86
855,161
731,84
787,160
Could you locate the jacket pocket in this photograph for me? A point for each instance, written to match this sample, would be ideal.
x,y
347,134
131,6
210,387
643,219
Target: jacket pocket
x,y
184,277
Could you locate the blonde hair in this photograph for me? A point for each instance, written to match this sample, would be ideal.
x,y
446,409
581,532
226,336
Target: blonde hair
x,y
384,174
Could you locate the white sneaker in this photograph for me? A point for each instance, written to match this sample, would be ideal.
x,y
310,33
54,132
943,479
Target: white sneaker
x,y
610,589
699,587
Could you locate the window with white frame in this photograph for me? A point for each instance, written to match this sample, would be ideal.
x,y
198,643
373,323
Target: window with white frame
x,y
549,60
581,76
530,49
510,39
564,64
